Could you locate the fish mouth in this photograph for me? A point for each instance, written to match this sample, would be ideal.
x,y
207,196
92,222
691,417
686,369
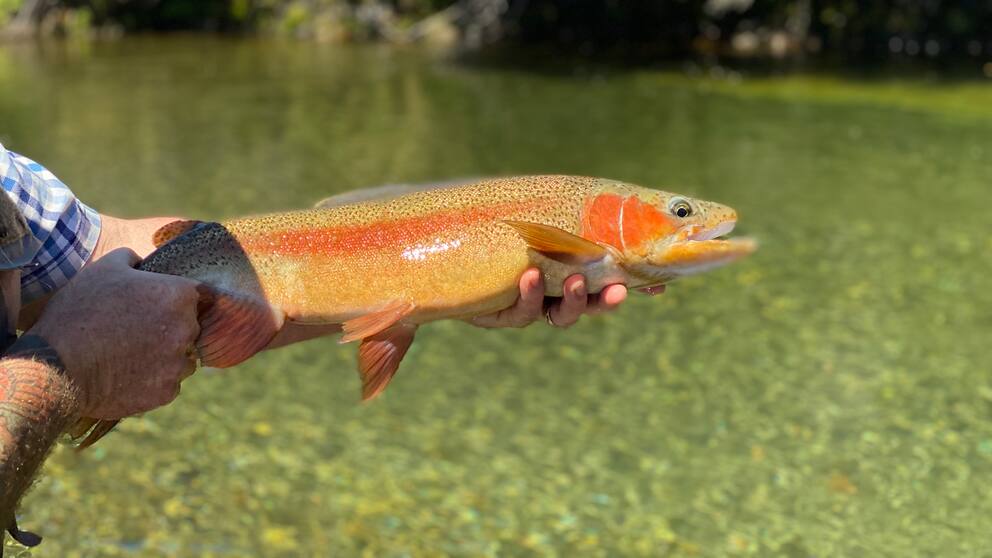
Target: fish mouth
x,y
699,233
698,248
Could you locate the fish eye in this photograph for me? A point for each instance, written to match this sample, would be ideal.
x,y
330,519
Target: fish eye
x,y
680,208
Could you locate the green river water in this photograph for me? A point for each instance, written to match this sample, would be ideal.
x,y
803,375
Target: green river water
x,y
829,396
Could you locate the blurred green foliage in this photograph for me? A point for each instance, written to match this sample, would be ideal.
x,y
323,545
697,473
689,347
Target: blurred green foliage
x,y
8,8
224,15
844,30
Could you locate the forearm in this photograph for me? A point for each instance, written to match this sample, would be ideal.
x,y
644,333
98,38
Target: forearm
x,y
115,233
37,402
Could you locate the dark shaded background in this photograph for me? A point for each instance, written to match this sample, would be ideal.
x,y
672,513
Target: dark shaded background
x,y
841,31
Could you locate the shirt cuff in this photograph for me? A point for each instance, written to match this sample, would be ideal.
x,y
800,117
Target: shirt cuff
x,y
63,253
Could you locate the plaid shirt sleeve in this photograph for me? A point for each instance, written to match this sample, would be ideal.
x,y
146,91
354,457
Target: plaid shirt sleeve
x,y
64,229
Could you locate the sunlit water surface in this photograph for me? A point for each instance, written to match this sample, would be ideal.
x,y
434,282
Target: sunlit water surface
x,y
830,396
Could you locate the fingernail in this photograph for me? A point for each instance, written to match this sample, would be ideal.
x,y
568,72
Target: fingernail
x,y
579,289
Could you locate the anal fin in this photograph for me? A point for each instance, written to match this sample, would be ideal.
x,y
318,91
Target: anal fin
x,y
558,244
379,357
369,324
234,327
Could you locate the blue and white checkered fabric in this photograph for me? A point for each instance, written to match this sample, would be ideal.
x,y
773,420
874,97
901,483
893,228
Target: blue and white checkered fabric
x,y
65,230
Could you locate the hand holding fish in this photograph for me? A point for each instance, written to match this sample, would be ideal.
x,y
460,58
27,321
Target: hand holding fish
x,y
125,336
379,268
112,343
533,305
489,253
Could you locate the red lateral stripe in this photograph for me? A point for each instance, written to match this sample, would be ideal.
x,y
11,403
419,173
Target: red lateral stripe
x,y
395,234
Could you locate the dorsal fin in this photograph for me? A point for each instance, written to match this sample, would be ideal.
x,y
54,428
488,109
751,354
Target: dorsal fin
x,y
558,244
172,230
380,193
388,192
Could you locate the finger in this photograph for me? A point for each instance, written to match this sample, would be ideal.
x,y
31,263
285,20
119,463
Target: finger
x,y
573,303
531,302
184,368
159,393
190,295
655,290
527,309
121,257
609,298
190,366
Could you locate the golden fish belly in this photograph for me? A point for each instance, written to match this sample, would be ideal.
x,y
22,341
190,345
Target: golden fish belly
x,y
459,282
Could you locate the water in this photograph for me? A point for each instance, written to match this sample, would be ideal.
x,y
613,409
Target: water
x,y
828,397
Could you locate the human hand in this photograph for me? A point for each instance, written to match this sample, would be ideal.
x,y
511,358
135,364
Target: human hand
x,y
562,312
528,308
125,337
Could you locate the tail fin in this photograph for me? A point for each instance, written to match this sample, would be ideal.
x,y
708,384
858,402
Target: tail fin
x,y
97,429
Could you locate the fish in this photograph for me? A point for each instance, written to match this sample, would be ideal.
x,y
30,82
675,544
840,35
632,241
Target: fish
x,y
384,263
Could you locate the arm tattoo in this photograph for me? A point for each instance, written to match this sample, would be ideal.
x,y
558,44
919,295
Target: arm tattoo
x,y
37,402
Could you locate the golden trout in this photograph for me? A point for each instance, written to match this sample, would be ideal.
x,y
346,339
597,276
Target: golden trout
x,y
382,267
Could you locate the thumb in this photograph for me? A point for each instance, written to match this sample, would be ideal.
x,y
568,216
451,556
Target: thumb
x,y
121,257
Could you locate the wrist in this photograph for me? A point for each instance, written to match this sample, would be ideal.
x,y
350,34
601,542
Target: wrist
x,y
136,234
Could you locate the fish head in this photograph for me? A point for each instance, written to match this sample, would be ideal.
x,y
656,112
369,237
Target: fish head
x,y
661,236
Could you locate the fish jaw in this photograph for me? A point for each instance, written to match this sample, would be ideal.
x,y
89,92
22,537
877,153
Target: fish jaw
x,y
690,257
693,249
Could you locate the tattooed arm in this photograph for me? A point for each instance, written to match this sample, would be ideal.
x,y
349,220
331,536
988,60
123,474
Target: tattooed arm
x,y
118,344
37,402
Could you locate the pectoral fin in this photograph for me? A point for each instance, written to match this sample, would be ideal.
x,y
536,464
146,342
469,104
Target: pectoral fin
x,y
558,244
379,357
372,323
234,327
176,228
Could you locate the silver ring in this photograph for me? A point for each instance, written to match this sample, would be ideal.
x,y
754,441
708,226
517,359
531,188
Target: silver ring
x,y
547,317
